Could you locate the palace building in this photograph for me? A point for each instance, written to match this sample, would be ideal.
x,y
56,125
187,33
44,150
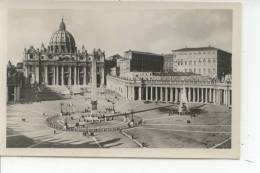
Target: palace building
x,y
61,62
137,61
207,61
204,73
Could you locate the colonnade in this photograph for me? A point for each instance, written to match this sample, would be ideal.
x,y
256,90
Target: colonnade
x,y
221,95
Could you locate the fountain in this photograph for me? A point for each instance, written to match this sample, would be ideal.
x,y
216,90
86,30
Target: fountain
x,y
183,107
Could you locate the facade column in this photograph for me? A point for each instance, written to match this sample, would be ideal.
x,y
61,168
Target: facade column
x,y
69,75
140,93
75,75
102,83
78,76
37,74
171,95
46,75
62,75
15,94
84,76
176,95
56,74
166,94
53,75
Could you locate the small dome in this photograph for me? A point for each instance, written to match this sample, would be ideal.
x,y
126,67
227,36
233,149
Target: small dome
x,y
62,41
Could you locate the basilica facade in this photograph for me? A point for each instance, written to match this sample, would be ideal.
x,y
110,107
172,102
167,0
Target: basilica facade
x,y
61,62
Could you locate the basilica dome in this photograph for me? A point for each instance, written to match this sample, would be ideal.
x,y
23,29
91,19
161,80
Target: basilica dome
x,y
62,41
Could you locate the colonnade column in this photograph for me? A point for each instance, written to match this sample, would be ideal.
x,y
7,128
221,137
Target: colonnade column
x,y
189,94
140,93
161,94
166,94
193,93
210,95
156,93
146,93
206,95
214,95
151,95
202,95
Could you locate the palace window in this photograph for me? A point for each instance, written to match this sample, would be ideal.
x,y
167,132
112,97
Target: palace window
x,y
214,61
204,70
199,70
194,70
56,49
204,61
185,62
31,56
209,61
194,62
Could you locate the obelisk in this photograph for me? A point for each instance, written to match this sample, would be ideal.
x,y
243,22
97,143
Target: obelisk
x,y
94,84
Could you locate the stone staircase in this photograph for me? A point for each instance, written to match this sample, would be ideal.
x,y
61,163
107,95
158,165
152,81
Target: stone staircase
x,y
28,94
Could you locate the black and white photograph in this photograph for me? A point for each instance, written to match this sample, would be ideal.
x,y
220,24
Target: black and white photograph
x,y
122,78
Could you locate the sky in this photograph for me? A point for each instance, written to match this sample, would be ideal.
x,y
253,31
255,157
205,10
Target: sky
x,y
115,31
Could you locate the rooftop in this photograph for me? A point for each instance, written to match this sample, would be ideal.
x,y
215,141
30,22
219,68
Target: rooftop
x,y
140,52
198,49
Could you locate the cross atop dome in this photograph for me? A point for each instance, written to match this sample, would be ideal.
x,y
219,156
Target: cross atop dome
x,y
62,25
